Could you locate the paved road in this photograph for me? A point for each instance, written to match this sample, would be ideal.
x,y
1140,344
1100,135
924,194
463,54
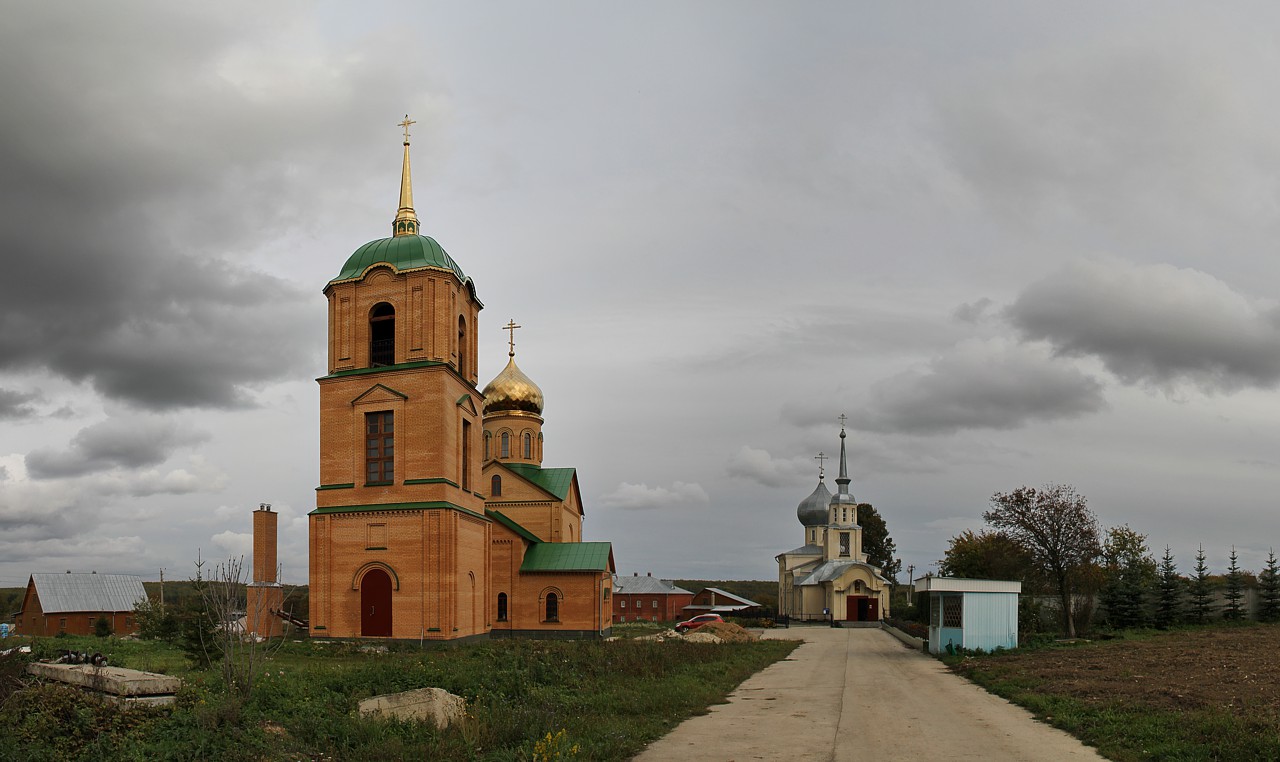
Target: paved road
x,y
860,694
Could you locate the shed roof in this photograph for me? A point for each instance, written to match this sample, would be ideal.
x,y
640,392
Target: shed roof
x,y
568,556
738,598
88,592
958,585
646,586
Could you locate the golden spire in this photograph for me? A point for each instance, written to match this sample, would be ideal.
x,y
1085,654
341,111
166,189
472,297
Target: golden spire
x,y
406,222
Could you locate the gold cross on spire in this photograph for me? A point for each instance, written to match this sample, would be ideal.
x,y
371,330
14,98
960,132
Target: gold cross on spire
x,y
405,124
511,342
821,457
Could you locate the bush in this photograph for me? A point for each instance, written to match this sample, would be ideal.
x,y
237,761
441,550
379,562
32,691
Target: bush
x,y
101,627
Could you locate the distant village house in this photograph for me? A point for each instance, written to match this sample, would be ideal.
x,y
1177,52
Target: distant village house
x,y
73,603
648,599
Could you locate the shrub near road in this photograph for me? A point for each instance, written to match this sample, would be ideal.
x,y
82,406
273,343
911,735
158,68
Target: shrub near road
x,y
1196,694
607,699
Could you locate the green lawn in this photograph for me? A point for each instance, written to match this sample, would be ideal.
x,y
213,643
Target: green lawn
x,y
607,700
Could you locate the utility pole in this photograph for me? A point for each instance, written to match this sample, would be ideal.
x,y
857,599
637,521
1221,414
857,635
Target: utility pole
x,y
162,588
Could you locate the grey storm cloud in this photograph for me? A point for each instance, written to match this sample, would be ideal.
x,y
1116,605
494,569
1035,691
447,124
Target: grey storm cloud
x,y
1154,324
137,177
980,385
131,442
15,405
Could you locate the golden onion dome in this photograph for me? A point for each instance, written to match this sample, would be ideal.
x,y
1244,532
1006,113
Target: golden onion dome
x,y
512,390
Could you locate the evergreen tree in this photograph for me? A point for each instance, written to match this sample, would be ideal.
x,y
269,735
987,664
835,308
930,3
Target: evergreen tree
x,y
1169,593
1201,592
1269,590
1234,610
1129,573
196,626
877,545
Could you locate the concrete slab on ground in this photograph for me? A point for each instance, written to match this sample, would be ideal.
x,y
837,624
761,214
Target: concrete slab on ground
x,y
859,694
116,681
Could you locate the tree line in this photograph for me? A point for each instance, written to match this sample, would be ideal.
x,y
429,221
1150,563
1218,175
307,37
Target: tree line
x,y
1051,541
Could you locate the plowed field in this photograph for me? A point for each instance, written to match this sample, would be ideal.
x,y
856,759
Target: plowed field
x,y
1212,675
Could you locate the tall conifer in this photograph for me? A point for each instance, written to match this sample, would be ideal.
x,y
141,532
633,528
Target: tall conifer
x,y
1269,590
1234,610
1169,593
1201,593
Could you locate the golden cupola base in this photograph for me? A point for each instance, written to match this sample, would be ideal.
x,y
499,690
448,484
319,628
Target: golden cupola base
x,y
513,413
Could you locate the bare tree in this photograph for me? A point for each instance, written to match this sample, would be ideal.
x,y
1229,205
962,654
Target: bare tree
x,y
240,654
1056,526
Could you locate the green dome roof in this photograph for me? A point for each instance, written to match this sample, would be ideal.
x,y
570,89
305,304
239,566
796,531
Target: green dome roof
x,y
404,252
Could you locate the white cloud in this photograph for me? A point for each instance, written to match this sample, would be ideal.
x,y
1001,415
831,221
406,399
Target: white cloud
x,y
234,544
760,466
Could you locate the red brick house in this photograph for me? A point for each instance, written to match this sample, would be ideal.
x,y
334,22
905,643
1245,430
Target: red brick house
x,y
72,603
637,598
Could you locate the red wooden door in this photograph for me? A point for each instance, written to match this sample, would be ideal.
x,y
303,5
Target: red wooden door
x,y
852,611
873,609
375,604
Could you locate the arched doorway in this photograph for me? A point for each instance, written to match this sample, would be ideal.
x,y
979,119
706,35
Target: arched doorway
x,y
375,604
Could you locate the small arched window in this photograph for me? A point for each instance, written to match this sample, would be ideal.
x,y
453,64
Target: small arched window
x,y
495,486
528,446
487,438
553,607
505,449
502,607
382,335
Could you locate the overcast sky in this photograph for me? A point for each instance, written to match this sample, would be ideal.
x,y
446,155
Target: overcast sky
x,y
1015,244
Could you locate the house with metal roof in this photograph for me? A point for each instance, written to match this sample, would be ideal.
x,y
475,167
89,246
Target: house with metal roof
x,y
73,603
713,600
648,599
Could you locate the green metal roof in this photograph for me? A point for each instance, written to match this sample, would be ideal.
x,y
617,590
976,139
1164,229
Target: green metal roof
x,y
509,523
406,252
567,556
553,480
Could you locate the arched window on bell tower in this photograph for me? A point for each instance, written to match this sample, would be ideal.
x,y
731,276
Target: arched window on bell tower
x,y
382,335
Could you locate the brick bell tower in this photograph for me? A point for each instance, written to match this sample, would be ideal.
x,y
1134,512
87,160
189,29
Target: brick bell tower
x,y
398,538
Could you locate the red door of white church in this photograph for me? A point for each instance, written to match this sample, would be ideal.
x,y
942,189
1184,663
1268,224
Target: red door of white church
x,y
861,608
375,604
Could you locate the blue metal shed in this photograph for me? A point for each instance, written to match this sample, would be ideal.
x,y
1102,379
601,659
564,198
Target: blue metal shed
x,y
979,614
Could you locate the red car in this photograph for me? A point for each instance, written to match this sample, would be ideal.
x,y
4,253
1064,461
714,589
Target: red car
x,y
697,622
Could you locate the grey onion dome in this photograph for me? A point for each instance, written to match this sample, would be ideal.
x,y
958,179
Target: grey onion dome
x,y
812,511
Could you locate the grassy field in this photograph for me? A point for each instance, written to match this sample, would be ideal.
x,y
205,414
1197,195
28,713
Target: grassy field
x,y
1208,693
596,700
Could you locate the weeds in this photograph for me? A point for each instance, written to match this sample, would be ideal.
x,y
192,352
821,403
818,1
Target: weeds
x,y
526,700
